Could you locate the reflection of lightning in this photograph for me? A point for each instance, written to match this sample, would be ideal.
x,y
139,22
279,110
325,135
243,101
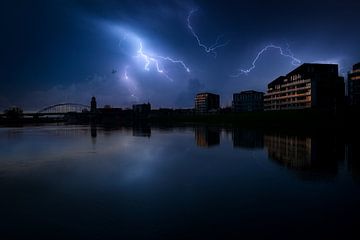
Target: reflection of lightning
x,y
286,53
213,47
154,60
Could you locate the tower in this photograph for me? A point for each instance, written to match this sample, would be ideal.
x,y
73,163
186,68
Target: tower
x,y
93,105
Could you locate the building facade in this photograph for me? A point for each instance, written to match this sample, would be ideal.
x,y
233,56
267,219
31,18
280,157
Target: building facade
x,y
311,85
207,102
141,110
248,101
354,85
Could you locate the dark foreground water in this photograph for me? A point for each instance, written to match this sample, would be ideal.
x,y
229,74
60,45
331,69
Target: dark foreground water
x,y
66,182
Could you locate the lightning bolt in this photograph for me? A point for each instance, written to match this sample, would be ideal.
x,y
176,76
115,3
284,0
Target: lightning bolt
x,y
287,53
151,61
154,60
148,59
175,61
129,83
208,49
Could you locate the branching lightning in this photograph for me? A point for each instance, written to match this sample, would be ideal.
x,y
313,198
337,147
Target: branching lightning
x,y
175,61
155,61
208,49
148,59
134,46
287,53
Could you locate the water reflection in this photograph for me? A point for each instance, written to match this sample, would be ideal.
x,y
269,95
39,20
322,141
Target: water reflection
x,y
207,136
313,157
353,159
310,155
122,186
141,131
291,151
93,129
247,139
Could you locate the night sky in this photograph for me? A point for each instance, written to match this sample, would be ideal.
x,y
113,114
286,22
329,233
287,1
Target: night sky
x,y
131,51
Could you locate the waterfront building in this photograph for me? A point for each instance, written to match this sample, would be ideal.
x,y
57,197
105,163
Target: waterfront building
x,y
311,85
354,85
141,110
207,102
248,101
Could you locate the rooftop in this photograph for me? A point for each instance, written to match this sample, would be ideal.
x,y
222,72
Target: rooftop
x,y
206,93
250,92
323,69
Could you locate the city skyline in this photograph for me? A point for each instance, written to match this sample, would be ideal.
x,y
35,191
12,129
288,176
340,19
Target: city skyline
x,y
130,52
248,98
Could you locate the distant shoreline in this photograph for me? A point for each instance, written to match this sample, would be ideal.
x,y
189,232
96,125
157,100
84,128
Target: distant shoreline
x,y
289,119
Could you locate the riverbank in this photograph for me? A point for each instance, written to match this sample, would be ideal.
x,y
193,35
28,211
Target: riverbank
x,y
302,119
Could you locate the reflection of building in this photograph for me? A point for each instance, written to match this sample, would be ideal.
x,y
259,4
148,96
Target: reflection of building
x,y
247,138
354,85
207,102
353,157
93,130
141,131
308,86
291,151
312,157
248,101
206,137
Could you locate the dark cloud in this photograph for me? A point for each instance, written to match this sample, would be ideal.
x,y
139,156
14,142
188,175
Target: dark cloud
x,y
186,97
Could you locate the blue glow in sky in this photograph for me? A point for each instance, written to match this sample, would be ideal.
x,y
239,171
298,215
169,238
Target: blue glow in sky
x,y
58,51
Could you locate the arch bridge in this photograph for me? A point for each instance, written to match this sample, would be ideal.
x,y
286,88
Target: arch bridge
x,y
63,108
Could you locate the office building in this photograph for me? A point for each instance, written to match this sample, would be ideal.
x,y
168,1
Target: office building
x,y
248,101
354,85
311,85
207,102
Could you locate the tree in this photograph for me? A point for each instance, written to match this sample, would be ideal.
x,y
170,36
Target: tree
x,y
14,113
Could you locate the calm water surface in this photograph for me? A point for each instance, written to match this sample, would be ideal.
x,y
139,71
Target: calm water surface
x,y
62,182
